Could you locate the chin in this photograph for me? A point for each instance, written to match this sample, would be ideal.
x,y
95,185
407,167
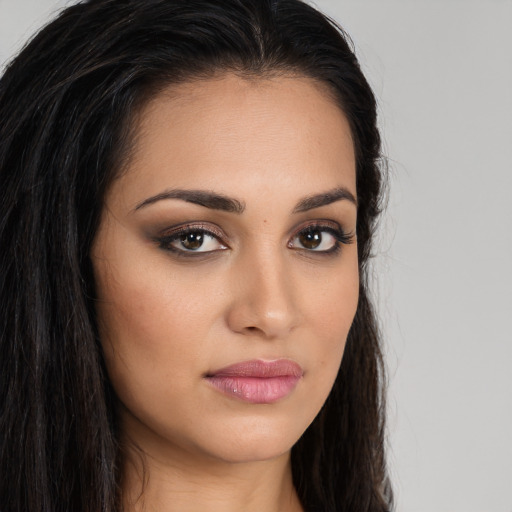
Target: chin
x,y
253,441
259,449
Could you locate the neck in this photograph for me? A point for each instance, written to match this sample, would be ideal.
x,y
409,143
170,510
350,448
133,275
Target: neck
x,y
189,483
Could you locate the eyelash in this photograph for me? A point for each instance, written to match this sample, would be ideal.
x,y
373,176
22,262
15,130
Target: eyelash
x,y
340,236
165,241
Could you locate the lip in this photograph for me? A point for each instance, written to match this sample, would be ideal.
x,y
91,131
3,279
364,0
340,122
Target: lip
x,y
257,381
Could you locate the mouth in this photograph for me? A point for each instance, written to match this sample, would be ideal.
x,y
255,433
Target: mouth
x,y
257,381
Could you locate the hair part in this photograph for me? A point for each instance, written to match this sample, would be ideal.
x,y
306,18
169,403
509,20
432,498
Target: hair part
x,y
68,104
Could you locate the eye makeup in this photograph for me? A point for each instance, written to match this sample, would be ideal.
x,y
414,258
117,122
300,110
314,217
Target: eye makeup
x,y
320,237
200,239
192,240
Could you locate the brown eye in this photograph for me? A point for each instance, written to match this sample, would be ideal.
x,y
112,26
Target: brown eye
x,y
192,240
317,239
188,241
310,239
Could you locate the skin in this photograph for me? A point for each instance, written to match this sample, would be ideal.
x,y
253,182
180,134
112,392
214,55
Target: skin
x,y
167,319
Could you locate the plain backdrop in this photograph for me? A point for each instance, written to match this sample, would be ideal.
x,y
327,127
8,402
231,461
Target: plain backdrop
x,y
442,72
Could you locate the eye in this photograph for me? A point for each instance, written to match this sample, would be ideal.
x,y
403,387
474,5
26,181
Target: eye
x,y
314,239
325,239
192,240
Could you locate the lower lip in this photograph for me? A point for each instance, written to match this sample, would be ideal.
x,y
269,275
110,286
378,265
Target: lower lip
x,y
255,390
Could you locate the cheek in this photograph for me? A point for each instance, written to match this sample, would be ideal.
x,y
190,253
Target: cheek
x,y
333,308
155,322
331,313
138,314
137,310
143,302
153,347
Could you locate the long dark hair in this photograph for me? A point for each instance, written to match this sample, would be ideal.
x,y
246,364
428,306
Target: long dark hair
x,y
66,106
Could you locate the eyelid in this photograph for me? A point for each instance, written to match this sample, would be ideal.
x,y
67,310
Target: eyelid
x,y
324,224
318,223
165,238
343,237
210,229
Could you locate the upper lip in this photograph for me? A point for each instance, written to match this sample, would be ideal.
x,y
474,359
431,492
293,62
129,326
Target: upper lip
x,y
258,368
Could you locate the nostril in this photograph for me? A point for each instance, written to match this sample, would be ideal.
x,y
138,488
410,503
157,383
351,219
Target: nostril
x,y
254,331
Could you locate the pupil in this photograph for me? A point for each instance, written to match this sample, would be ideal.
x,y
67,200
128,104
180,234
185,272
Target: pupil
x,y
192,241
310,239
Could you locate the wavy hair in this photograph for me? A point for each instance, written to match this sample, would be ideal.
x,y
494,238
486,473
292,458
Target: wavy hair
x,y
67,103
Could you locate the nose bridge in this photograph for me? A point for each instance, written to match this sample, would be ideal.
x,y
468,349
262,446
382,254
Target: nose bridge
x,y
265,302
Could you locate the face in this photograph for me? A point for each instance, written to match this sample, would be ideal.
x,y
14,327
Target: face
x,y
226,267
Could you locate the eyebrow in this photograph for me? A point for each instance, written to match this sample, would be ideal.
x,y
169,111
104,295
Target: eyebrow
x,y
201,197
324,198
216,201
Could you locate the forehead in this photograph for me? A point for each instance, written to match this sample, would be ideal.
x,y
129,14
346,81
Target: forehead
x,y
229,129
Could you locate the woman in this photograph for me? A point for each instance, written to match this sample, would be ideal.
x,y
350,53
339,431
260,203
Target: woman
x,y
189,193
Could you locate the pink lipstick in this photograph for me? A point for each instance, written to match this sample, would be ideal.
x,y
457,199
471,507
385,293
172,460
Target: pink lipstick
x,y
257,381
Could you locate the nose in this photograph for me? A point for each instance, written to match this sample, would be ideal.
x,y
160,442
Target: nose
x,y
265,302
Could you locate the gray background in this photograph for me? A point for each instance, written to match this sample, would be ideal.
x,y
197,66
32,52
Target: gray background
x,y
442,71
